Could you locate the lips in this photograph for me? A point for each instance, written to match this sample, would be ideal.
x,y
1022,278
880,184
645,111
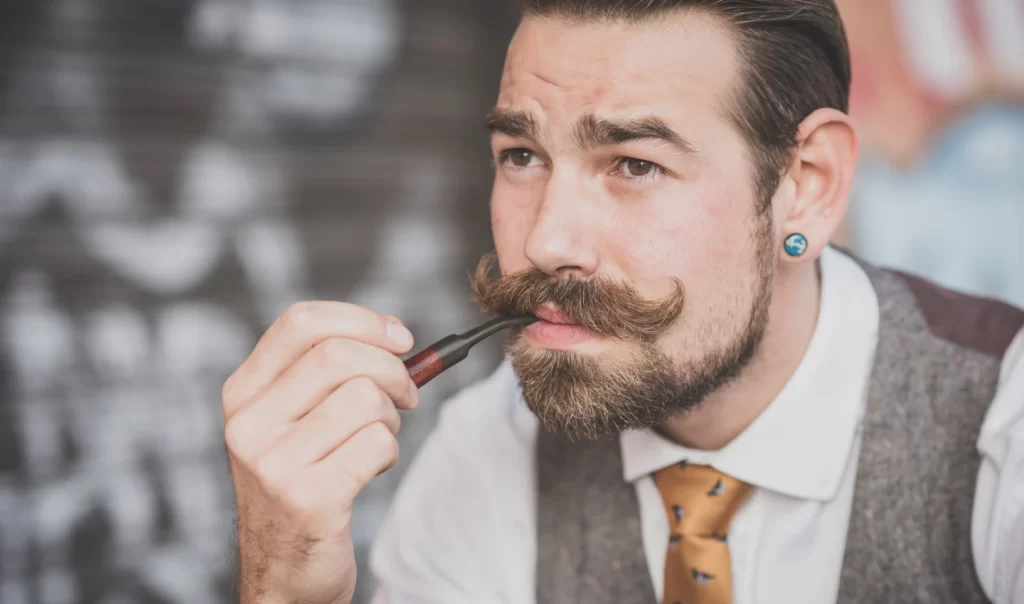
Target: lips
x,y
553,314
556,331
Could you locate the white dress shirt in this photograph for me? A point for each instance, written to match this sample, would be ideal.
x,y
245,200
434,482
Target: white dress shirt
x,y
462,529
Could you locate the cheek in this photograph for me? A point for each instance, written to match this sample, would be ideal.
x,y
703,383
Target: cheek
x,y
702,238
722,232
510,226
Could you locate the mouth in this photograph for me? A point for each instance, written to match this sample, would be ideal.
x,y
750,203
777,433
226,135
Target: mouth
x,y
556,331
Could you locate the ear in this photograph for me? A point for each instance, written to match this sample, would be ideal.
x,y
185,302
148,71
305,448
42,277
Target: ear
x,y
814,193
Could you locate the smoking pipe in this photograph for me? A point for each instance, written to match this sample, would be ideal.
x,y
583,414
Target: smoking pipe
x,y
446,352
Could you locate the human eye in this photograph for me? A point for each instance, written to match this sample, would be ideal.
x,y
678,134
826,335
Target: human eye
x,y
633,169
518,158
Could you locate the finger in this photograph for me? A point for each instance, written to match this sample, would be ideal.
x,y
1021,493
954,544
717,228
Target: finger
x,y
346,470
311,380
353,406
298,330
330,364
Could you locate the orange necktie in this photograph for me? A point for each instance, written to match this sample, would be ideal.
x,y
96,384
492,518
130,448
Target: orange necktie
x,y
700,502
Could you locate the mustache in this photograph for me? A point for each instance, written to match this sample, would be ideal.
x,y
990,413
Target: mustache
x,y
601,305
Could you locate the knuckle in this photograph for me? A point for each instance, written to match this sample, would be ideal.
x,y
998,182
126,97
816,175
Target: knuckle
x,y
382,441
334,351
378,403
298,316
332,411
235,434
363,401
227,391
362,389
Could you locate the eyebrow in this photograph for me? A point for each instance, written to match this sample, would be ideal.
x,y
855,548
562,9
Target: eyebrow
x,y
517,124
591,132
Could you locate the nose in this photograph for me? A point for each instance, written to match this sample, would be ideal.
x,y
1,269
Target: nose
x,y
561,242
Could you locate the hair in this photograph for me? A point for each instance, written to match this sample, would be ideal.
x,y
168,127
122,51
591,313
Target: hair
x,y
795,60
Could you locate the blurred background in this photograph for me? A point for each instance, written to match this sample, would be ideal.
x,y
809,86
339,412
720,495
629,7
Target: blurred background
x,y
175,173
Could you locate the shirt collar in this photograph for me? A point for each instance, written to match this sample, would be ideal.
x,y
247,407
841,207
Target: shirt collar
x,y
801,443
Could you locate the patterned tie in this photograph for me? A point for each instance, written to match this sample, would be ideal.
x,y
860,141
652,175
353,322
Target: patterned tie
x,y
700,502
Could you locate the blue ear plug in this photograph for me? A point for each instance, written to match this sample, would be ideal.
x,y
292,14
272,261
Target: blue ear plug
x,y
796,245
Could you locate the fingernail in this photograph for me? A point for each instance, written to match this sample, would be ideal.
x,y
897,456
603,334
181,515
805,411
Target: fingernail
x,y
414,394
398,333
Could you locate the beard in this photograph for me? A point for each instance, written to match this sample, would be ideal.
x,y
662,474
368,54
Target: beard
x,y
588,397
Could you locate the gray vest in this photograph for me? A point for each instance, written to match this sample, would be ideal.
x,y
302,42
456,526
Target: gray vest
x,y
935,372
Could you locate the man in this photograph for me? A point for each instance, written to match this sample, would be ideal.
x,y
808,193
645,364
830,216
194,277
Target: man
x,y
714,407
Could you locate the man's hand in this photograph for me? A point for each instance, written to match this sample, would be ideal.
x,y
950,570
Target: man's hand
x,y
310,418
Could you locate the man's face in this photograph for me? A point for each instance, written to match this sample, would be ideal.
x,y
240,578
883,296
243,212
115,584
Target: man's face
x,y
620,176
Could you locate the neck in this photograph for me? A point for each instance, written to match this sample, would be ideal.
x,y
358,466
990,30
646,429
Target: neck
x,y
728,412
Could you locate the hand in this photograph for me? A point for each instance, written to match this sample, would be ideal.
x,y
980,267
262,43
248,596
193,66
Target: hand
x,y
310,418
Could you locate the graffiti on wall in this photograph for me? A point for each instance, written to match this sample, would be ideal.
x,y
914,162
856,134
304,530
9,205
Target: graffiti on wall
x,y
172,176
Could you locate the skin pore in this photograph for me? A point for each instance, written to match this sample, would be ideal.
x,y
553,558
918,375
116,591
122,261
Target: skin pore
x,y
617,162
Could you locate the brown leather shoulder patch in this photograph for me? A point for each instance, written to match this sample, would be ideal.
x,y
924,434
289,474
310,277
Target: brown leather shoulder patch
x,y
982,324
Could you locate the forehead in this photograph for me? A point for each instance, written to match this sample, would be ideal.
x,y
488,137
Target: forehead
x,y
681,64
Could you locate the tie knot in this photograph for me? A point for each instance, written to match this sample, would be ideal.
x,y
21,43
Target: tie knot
x,y
700,500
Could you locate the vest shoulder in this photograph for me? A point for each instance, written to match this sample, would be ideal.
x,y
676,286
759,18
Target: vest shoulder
x,y
985,325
